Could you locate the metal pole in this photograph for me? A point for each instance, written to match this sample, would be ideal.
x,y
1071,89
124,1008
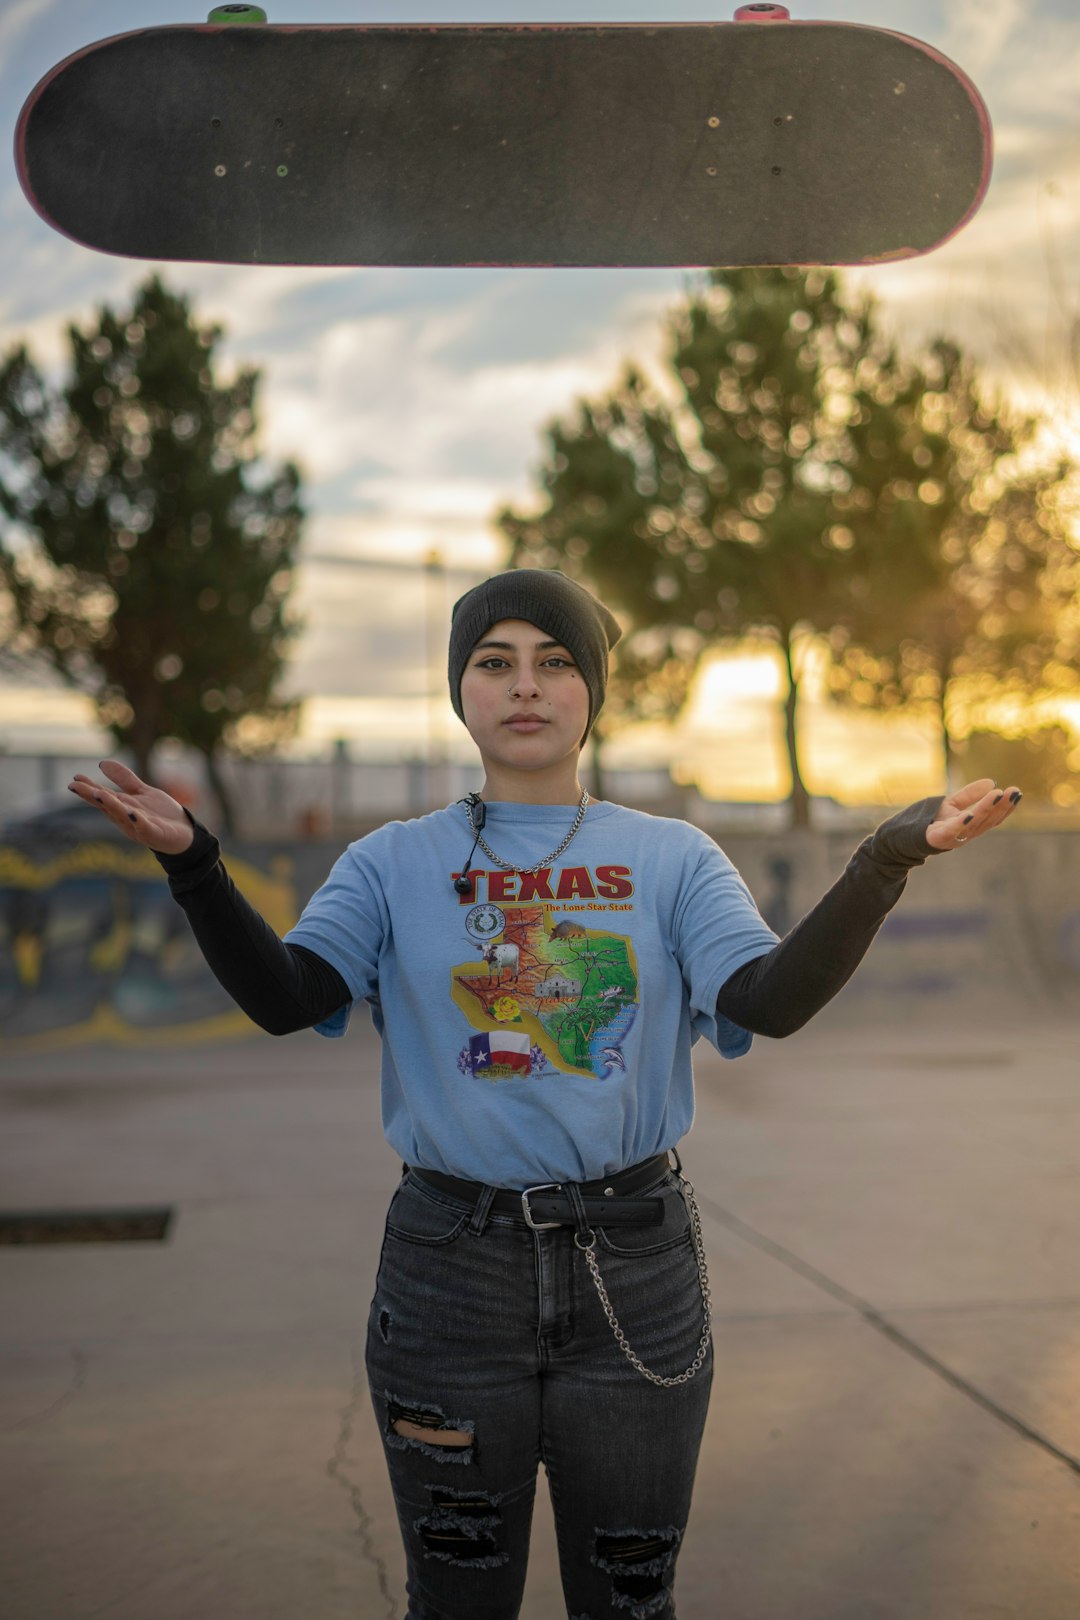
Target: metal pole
x,y
434,597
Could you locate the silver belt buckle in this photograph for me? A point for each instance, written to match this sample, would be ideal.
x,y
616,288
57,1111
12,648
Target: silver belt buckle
x,y
544,1186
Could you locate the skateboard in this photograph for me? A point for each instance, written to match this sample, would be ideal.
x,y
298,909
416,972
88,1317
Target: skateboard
x,y
752,142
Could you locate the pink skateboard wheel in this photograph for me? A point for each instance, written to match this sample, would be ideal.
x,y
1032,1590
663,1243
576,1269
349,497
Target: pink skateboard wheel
x,y
763,13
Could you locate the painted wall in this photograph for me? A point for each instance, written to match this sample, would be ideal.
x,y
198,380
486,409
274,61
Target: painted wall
x,y
999,919
93,947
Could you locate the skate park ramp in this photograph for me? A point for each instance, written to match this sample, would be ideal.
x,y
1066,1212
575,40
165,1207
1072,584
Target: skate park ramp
x,y
890,1214
92,946
889,1208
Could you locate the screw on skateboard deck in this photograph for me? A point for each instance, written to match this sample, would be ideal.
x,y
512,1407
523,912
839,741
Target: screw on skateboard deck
x,y
243,142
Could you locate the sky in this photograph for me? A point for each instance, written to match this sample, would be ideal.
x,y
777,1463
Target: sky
x,y
415,400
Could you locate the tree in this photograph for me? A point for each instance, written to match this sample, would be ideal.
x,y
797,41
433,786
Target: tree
x,y
650,679
791,482
999,624
1043,759
719,510
146,557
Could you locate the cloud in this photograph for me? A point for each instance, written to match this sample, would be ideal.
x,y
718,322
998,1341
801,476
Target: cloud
x,y
16,20
371,615
381,390
999,270
979,30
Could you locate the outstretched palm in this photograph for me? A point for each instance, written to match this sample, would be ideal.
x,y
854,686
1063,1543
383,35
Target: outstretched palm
x,y
986,805
146,814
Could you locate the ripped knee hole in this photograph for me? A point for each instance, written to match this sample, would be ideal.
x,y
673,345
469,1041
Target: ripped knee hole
x,y
426,1424
431,1433
639,1565
462,1528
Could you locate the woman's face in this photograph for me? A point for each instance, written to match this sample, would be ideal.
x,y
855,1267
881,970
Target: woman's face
x,y
524,699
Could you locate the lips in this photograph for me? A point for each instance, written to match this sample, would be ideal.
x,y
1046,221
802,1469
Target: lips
x,y
525,722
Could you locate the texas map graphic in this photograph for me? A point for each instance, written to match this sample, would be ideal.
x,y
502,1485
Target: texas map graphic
x,y
546,988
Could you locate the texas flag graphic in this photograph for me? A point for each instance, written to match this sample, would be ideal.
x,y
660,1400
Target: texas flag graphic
x,y
500,1049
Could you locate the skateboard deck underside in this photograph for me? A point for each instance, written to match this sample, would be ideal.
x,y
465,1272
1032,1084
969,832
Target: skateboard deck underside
x,y
791,143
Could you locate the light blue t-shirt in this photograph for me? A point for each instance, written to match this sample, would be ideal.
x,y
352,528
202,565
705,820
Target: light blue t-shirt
x,y
540,1029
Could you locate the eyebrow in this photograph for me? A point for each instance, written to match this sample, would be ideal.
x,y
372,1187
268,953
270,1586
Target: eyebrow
x,y
508,646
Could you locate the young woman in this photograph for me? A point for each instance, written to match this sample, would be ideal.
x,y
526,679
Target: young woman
x,y
542,1292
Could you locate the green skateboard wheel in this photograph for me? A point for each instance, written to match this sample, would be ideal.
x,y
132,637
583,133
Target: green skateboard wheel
x,y
237,14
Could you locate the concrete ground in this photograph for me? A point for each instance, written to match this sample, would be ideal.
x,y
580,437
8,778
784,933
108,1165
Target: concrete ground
x,y
891,1213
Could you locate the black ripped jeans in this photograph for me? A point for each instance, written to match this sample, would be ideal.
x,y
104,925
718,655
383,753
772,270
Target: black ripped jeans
x,y
484,1327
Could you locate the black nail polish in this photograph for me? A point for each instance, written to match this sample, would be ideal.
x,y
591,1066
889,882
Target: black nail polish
x,y
999,798
967,819
1016,797
132,816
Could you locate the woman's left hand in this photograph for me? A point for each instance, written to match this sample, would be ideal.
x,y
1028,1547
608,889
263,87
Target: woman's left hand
x,y
970,812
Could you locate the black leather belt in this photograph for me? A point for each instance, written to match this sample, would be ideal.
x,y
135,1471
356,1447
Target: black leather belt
x,y
608,1202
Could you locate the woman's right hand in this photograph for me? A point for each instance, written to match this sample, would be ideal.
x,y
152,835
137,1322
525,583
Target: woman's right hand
x,y
146,814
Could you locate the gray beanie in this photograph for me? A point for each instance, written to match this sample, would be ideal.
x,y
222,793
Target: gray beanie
x,y
551,601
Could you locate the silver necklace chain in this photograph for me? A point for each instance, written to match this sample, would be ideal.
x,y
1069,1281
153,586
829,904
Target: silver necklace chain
x,y
547,860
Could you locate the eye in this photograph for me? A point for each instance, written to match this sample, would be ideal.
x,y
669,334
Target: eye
x,y
557,658
492,658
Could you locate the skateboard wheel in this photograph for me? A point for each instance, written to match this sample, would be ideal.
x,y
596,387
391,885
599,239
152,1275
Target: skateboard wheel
x,y
763,13
237,14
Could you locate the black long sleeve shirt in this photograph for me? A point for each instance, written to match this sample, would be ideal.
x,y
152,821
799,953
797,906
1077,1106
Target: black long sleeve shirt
x,y
284,988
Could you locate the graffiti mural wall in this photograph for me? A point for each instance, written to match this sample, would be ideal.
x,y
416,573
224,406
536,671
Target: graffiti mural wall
x,y
93,946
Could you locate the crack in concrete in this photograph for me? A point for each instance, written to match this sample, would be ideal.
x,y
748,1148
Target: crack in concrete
x,y
335,1468
78,1381
883,1326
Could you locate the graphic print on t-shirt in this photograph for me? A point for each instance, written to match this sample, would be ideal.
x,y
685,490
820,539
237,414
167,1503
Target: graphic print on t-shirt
x,y
544,989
